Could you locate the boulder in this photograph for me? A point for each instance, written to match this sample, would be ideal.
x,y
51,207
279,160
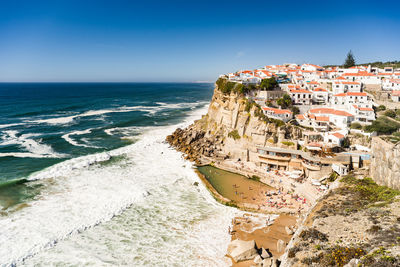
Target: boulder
x,y
265,253
258,259
241,250
267,262
280,246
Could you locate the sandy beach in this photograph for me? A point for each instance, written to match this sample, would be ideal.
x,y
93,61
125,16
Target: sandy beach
x,y
274,210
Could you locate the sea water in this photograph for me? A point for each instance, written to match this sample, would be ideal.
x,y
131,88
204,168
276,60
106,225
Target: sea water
x,y
86,177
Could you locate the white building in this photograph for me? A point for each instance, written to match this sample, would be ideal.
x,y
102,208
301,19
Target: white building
x,y
346,100
318,123
300,96
364,115
345,86
335,138
391,84
340,118
280,114
311,67
320,96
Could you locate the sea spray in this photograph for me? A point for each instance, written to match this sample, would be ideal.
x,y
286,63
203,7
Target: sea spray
x,y
120,208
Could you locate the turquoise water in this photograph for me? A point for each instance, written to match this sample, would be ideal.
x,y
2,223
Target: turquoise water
x,y
86,177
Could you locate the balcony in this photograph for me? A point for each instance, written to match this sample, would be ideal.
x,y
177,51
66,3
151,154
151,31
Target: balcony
x,y
279,158
311,167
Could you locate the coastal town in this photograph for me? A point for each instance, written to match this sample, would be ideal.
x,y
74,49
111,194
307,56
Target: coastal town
x,y
294,134
328,103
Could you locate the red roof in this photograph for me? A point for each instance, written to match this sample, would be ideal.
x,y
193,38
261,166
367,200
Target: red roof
x,y
351,83
300,116
366,109
356,94
338,135
361,73
340,78
319,89
396,93
352,94
277,110
321,118
300,91
331,111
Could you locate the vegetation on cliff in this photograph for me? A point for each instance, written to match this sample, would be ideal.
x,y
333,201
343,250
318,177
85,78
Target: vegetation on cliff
x,y
383,125
226,87
234,134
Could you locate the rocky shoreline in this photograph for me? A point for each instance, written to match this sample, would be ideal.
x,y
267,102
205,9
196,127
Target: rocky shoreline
x,y
251,244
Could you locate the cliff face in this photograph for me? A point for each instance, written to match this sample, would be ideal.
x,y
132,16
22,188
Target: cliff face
x,y
228,130
385,164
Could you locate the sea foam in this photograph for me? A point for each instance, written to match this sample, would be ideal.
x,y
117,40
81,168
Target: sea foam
x,y
144,205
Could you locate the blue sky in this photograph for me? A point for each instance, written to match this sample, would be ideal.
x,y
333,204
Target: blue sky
x,y
186,40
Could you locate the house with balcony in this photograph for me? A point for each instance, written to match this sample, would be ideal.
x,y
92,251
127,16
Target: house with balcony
x,y
363,115
275,158
320,96
339,118
318,123
345,86
349,99
301,96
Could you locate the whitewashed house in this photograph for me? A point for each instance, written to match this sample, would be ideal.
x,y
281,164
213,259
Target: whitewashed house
x,y
345,86
364,115
335,138
340,118
391,84
346,100
301,96
280,114
320,96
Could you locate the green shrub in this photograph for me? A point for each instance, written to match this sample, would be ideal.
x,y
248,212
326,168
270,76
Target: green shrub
x,y
333,176
269,84
382,125
356,125
370,191
339,256
381,108
287,143
234,134
390,113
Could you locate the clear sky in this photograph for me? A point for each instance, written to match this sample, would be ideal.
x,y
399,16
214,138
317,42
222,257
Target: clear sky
x,y
186,40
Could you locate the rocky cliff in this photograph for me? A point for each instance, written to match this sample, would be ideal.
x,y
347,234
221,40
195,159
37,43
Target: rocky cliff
x,y
385,163
232,128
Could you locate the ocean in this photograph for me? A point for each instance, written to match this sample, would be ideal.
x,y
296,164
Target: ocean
x,y
86,177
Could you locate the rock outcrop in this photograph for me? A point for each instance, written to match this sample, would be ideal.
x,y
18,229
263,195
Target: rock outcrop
x,y
231,129
241,250
385,163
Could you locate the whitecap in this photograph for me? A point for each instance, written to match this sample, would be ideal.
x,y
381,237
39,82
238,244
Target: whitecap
x,y
67,137
83,194
35,147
